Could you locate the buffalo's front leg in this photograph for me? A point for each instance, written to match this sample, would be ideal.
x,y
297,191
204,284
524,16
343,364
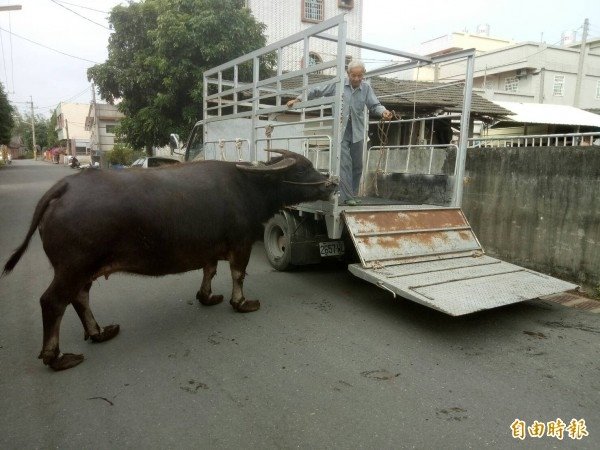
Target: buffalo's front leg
x,y
204,295
54,302
238,262
91,328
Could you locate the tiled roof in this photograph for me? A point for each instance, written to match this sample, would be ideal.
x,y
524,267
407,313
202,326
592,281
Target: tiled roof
x,y
431,96
425,96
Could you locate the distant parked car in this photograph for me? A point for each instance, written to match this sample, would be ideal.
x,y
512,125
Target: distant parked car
x,y
154,161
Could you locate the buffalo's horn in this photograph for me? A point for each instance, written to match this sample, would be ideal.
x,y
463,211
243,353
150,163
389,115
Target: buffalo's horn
x,y
280,152
279,166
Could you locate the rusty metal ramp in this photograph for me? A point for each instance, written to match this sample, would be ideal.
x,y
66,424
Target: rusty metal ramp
x,y
431,256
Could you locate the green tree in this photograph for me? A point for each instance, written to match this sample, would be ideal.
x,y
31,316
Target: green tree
x,y
51,133
156,58
45,133
6,117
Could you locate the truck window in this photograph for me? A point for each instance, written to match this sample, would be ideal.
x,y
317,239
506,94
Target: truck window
x,y
195,146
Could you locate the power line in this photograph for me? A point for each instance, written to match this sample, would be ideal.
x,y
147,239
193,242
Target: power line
x,y
79,94
81,6
80,15
49,48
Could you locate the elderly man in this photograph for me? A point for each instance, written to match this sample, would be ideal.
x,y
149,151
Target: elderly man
x,y
357,95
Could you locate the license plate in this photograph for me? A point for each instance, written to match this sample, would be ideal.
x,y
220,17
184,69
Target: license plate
x,y
332,248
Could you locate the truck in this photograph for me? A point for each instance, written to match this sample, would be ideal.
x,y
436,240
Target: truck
x,y
420,248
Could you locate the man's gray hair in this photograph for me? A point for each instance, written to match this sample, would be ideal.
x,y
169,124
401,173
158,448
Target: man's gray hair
x,y
356,63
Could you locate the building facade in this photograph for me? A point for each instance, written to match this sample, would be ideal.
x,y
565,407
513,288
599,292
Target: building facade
x,y
286,17
531,72
481,42
70,127
101,122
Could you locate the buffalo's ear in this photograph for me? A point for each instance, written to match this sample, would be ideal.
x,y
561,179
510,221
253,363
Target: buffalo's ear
x,y
279,166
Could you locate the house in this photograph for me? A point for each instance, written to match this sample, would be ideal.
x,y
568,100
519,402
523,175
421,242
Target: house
x,y
70,127
16,147
531,72
286,17
101,122
481,41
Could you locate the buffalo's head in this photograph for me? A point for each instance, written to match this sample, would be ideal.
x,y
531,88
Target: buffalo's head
x,y
299,180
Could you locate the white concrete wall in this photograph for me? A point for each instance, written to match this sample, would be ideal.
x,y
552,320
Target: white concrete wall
x,y
284,18
74,114
103,115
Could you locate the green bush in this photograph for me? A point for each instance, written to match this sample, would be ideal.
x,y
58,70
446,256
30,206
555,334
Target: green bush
x,y
122,154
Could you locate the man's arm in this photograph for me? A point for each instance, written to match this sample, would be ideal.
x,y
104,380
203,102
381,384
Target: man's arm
x,y
325,91
374,105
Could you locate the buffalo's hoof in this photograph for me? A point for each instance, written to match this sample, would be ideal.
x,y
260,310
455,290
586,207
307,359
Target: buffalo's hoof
x,y
210,301
65,361
106,334
245,306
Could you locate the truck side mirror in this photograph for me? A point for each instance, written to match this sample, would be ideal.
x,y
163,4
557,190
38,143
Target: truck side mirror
x,y
174,143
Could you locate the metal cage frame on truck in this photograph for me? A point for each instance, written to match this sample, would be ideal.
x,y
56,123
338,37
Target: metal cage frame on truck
x,y
422,251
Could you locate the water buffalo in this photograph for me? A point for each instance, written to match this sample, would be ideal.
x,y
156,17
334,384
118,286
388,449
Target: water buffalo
x,y
158,222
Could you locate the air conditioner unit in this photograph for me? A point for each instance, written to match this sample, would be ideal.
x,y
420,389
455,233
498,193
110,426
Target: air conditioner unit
x,y
521,73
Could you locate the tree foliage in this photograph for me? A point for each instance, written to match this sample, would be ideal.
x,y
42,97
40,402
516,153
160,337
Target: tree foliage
x,y
45,133
156,58
122,154
6,117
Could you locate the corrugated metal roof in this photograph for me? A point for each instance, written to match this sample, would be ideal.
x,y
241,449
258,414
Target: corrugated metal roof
x,y
549,114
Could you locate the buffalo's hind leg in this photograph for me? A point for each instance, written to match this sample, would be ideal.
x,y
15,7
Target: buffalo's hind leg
x,y
92,330
54,302
238,261
204,295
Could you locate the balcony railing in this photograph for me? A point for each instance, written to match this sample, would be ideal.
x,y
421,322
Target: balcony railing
x,y
538,140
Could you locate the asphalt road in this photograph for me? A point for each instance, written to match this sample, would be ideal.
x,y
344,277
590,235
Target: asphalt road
x,y
329,361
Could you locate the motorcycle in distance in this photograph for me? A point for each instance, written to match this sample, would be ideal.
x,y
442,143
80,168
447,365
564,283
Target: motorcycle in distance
x,y
74,163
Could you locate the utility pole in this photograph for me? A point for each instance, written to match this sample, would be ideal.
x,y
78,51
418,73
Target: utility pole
x,y
33,130
97,126
580,74
68,140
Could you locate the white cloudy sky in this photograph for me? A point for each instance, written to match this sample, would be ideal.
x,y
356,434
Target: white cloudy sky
x,y
31,65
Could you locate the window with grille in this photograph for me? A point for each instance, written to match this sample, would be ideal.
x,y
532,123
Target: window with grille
x,y
348,4
558,88
511,84
314,59
347,60
312,10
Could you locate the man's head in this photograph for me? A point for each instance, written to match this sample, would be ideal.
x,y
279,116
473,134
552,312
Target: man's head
x,y
356,72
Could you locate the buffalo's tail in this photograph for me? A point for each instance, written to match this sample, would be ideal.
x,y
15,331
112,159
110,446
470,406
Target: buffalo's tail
x,y
55,192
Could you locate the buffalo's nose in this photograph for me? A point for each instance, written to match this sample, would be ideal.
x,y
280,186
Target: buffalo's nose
x,y
331,182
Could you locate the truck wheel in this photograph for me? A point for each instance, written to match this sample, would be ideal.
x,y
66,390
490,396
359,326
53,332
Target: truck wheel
x,y
277,243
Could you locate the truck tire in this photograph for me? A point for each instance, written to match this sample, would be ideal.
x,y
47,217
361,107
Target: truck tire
x,y
277,241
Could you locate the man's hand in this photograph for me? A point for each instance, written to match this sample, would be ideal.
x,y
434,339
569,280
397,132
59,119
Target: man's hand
x,y
292,102
387,115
